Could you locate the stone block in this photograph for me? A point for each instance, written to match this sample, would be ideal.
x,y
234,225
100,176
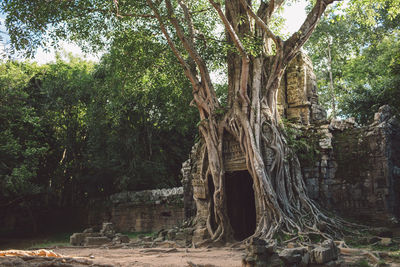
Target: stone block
x,y
96,241
293,255
107,230
325,253
88,230
180,236
77,239
385,241
171,234
120,238
159,239
200,235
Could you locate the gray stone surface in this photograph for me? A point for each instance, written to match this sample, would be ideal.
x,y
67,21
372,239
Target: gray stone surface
x,y
325,253
293,255
107,230
120,238
200,235
78,239
96,241
169,195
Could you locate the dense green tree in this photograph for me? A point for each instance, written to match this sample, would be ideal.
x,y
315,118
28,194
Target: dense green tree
x,y
346,43
22,133
141,127
42,128
73,130
372,79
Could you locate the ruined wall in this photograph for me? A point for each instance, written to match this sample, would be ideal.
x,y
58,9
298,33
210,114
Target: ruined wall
x,y
297,95
143,211
24,221
357,173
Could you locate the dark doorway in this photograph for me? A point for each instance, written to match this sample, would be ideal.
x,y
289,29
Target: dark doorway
x,y
241,203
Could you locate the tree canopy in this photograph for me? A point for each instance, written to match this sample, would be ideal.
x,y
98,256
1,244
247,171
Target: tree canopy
x,y
75,130
355,55
138,89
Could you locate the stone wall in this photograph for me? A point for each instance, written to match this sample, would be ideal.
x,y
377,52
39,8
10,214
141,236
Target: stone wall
x,y
19,220
357,172
297,95
143,211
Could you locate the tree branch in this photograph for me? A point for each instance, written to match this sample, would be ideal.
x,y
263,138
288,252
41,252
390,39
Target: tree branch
x,y
266,10
260,22
188,19
297,40
189,46
191,76
230,30
273,6
189,22
123,15
242,52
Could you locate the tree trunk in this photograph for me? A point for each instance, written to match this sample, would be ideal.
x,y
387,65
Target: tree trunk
x,y
281,200
252,118
331,87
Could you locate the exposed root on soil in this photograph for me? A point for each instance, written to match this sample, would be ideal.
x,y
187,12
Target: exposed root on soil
x,y
283,207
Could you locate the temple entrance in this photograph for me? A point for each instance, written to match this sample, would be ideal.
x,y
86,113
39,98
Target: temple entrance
x,y
240,203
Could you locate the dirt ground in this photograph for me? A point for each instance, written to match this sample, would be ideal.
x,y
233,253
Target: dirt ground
x,y
110,257
221,257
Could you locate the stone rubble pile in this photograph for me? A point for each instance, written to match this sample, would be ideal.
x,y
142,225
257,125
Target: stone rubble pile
x,y
261,253
106,235
181,236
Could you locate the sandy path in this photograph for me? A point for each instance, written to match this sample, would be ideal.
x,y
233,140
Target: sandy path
x,y
221,257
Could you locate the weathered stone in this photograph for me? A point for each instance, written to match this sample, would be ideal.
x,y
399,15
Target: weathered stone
x,y
200,235
88,230
96,241
120,238
180,236
107,230
356,171
168,244
325,253
384,113
143,211
305,260
147,238
385,241
12,262
171,234
77,239
293,255
159,239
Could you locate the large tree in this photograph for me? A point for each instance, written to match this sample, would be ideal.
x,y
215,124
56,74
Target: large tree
x,y
256,59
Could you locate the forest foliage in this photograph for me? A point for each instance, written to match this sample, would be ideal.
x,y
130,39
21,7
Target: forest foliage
x,y
360,48
72,130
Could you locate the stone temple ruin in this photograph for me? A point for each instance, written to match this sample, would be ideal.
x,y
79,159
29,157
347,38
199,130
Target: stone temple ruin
x,y
355,173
